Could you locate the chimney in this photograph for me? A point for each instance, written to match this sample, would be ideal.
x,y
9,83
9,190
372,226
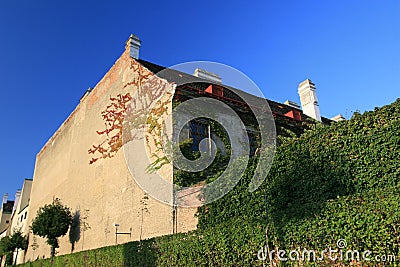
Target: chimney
x,y
291,104
16,199
133,44
338,118
5,198
309,100
87,92
207,75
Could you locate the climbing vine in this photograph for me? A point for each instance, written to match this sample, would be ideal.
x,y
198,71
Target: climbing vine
x,y
127,114
113,117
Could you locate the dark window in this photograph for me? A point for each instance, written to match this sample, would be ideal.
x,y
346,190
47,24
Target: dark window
x,y
252,142
25,214
7,221
198,131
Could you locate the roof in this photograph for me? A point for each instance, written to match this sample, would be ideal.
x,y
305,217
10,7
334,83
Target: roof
x,y
174,76
8,206
25,195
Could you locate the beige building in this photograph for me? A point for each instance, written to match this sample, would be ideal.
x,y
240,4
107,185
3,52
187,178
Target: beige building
x,y
104,192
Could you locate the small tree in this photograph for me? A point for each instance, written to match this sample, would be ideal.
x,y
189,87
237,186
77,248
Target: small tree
x,y
12,243
18,241
52,221
4,247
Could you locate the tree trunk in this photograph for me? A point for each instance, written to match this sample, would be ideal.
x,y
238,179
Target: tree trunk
x,y
3,261
141,225
53,251
53,242
16,256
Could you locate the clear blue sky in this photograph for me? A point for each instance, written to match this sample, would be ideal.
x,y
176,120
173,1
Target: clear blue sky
x,y
52,51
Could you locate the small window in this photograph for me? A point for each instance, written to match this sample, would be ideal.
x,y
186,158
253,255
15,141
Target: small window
x,y
22,217
198,131
25,214
252,143
7,221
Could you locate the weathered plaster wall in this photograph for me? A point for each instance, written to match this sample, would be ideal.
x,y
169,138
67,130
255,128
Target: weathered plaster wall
x,y
105,188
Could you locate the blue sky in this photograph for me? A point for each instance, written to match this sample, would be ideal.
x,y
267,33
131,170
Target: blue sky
x,y
52,51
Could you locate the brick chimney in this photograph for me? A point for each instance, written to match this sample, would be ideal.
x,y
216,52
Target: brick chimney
x,y
309,100
133,44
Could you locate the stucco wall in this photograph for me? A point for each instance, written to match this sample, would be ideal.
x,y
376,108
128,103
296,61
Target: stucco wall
x,y
105,189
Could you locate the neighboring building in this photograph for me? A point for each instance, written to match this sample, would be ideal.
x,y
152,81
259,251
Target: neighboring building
x,y
104,190
5,215
20,214
21,210
6,208
15,213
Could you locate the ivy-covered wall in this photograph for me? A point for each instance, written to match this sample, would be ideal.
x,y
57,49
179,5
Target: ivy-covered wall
x,y
331,183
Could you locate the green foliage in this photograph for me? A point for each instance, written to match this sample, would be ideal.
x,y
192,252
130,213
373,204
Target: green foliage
x,y
18,241
332,182
9,244
5,246
367,221
234,242
218,165
139,253
52,221
230,243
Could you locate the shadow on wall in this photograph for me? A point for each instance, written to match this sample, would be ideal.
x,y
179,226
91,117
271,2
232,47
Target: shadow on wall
x,y
75,230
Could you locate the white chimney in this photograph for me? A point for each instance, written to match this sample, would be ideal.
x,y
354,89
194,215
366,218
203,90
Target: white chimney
x,y
16,199
309,100
207,75
133,44
5,198
338,118
291,104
